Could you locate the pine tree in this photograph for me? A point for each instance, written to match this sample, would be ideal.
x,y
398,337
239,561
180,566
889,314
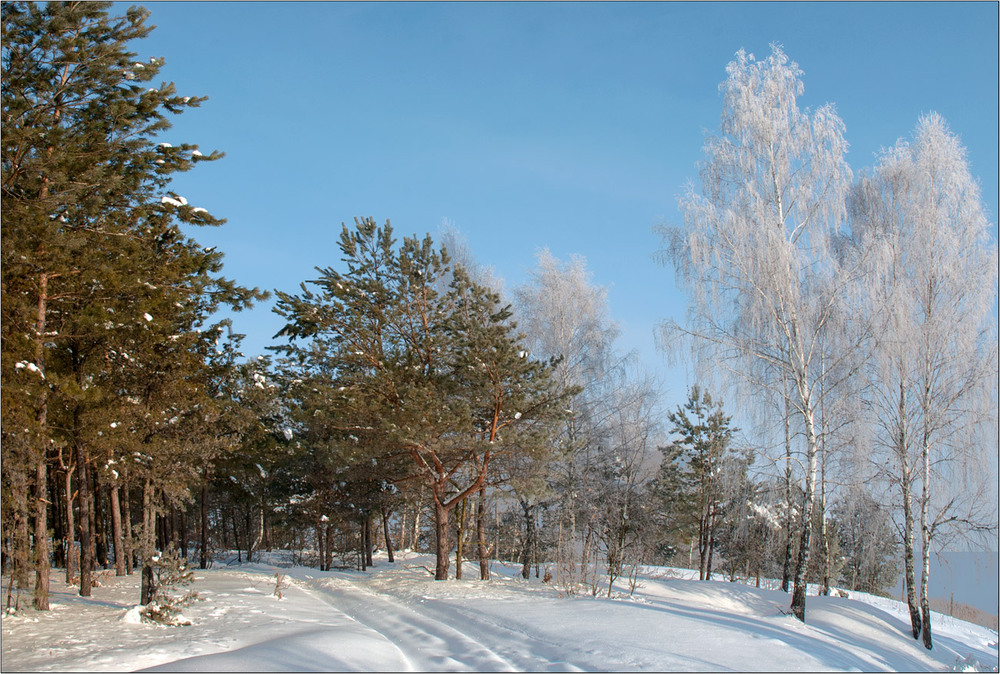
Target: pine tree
x,y
82,171
397,366
703,435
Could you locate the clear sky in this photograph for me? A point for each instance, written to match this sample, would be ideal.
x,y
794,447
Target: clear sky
x,y
571,126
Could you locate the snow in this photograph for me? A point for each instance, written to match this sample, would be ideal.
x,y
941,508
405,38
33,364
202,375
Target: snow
x,y
133,616
30,367
396,618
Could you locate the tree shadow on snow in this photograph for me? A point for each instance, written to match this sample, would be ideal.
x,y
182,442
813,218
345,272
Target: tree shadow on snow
x,y
832,656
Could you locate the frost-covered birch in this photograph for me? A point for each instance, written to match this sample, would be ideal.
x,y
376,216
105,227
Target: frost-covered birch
x,y
933,282
757,253
564,315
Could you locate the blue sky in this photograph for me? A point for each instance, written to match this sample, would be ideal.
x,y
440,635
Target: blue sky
x,y
571,126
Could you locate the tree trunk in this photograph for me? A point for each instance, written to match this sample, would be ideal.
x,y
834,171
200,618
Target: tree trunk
x,y
484,564
246,539
711,544
369,539
69,541
21,545
86,526
100,528
182,532
203,529
41,598
786,566
224,526
459,537
116,526
799,588
702,546
916,624
362,557
385,532
925,607
146,552
321,546
160,532
588,544
255,545
441,535
172,530
329,547
127,531
823,530
925,536
58,515
401,528
529,536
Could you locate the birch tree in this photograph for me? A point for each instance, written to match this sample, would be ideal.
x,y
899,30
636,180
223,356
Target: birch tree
x,y
933,276
757,250
564,315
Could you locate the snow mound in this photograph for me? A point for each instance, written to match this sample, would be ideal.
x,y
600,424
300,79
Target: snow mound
x,y
133,616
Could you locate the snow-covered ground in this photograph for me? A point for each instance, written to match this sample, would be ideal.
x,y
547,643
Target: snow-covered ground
x,y
396,618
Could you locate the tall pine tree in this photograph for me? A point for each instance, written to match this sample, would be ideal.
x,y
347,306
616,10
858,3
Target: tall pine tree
x,y
98,281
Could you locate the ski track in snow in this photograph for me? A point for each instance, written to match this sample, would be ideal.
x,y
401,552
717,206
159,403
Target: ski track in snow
x,y
427,644
452,635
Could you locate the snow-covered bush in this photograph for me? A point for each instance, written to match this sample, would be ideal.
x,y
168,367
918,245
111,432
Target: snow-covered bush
x,y
172,573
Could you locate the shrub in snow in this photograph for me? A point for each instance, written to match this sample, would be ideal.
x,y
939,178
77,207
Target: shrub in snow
x,y
970,664
280,583
172,573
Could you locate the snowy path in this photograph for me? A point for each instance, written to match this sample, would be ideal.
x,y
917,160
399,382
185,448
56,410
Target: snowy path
x,y
437,636
426,643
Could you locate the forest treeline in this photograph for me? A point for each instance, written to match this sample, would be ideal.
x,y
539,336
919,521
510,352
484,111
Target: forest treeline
x,y
410,401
